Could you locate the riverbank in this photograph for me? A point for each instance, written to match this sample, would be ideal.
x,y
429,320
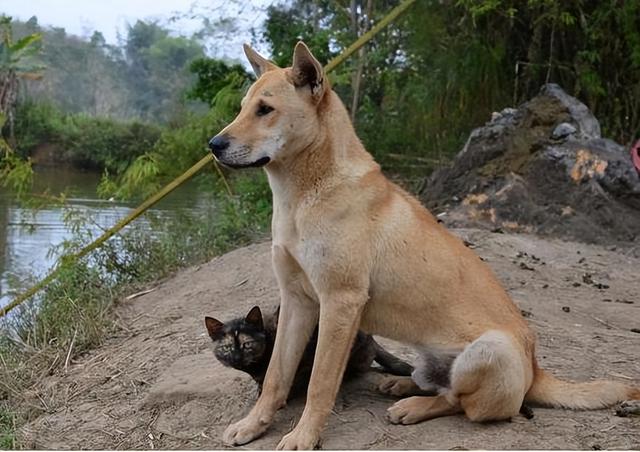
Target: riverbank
x,y
154,383
74,314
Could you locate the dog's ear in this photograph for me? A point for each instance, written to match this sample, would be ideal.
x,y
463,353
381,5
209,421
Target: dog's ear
x,y
259,63
214,327
255,318
307,71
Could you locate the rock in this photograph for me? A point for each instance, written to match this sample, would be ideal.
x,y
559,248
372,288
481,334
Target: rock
x,y
542,168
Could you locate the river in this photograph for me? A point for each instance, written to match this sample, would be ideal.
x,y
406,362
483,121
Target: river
x,y
26,236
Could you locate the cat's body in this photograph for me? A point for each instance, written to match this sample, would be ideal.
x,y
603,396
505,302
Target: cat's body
x,y
246,344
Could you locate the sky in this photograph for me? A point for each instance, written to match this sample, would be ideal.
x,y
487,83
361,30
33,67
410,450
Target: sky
x,y
110,17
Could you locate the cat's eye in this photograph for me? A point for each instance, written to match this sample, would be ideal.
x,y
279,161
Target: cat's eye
x,y
263,109
247,345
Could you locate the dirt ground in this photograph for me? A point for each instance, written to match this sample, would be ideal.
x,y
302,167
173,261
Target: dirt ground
x,y
157,385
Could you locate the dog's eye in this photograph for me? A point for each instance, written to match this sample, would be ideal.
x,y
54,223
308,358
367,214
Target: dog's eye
x,y
264,109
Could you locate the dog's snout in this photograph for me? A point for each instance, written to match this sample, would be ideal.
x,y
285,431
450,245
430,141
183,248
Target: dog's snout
x,y
218,144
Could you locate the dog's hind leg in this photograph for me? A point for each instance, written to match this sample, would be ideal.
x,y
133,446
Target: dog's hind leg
x,y
490,378
488,382
296,322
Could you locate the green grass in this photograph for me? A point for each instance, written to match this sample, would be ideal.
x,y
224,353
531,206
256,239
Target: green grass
x,y
7,429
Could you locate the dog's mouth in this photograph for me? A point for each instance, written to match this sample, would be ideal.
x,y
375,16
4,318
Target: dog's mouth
x,y
257,164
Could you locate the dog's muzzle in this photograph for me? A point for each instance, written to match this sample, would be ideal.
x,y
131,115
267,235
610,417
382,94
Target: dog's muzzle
x,y
220,143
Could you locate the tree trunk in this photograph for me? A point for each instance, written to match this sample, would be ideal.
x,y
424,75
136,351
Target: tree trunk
x,y
362,53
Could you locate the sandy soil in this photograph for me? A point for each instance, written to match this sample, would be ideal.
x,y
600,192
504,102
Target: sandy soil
x,y
157,385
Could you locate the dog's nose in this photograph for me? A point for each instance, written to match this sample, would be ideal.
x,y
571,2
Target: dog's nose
x,y
218,144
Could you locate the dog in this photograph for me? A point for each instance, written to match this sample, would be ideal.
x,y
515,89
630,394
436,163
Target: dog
x,y
353,250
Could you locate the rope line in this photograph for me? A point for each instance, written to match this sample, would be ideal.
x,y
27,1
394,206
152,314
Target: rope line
x,y
151,201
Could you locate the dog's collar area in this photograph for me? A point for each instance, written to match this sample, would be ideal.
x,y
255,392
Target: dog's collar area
x,y
257,164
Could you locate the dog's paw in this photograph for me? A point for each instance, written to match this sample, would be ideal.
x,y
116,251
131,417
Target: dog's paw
x,y
244,431
397,386
299,439
628,408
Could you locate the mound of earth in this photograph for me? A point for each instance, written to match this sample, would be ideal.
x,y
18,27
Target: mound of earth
x,y
156,385
542,168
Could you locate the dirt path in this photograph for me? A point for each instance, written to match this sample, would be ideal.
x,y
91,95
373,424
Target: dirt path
x,y
157,385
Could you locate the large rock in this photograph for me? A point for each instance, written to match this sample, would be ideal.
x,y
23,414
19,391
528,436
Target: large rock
x,y
541,168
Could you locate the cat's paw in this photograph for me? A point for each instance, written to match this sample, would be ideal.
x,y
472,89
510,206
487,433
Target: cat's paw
x,y
397,386
244,431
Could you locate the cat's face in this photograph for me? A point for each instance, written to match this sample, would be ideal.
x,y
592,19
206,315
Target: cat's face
x,y
239,343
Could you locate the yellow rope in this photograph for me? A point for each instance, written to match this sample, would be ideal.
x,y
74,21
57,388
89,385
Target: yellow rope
x,y
393,14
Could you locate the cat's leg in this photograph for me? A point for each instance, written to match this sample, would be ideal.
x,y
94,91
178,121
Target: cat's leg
x,y
340,313
402,387
296,322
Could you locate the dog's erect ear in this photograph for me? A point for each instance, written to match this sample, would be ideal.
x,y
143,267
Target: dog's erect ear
x,y
255,318
214,327
307,71
259,63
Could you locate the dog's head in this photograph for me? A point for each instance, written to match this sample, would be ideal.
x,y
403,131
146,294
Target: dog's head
x,y
279,115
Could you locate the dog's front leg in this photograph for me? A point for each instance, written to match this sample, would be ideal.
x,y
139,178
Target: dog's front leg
x,y
339,322
297,320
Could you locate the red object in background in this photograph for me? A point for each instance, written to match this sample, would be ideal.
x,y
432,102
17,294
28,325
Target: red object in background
x,y
635,156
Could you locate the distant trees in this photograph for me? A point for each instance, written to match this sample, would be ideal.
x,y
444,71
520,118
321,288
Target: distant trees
x,y
145,78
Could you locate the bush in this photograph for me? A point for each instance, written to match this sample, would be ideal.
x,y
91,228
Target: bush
x,y
84,141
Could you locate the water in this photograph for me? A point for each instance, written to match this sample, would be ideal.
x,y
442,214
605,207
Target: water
x,y
27,238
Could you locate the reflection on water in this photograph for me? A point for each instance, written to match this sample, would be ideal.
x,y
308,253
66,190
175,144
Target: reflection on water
x,y
26,237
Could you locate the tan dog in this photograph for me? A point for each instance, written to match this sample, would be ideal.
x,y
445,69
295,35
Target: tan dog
x,y
351,249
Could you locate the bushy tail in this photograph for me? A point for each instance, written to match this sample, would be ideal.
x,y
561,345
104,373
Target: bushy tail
x,y
547,390
391,363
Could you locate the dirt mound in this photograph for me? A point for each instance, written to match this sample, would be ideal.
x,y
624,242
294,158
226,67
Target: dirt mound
x,y
157,385
542,168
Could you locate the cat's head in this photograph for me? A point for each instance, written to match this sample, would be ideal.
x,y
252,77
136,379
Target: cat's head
x,y
240,343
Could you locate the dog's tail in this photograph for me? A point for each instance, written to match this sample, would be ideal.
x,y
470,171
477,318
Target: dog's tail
x,y
548,390
391,363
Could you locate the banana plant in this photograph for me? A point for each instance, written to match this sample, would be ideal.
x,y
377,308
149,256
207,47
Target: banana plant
x,y
18,61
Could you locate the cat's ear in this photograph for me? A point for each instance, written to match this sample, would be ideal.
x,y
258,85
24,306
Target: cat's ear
x,y
255,318
214,327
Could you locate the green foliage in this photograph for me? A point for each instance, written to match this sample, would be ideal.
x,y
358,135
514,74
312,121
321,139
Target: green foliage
x,y
87,142
286,25
212,76
178,147
7,429
15,173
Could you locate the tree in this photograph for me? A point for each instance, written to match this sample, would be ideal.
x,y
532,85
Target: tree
x,y
17,62
213,76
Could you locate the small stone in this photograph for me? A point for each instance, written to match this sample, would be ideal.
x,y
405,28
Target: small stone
x,y
566,309
635,330
576,284
545,286
624,301
563,130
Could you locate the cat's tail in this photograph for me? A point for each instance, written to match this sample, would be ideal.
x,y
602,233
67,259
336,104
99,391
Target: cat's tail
x,y
391,363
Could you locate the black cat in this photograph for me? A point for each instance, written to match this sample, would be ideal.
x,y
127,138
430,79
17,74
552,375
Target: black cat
x,y
246,344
